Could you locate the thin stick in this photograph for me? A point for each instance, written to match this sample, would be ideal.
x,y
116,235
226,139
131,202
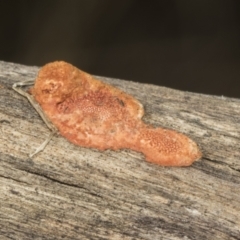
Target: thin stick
x,y
16,87
43,145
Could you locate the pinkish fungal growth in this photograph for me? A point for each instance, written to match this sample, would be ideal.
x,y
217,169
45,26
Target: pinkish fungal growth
x,y
91,113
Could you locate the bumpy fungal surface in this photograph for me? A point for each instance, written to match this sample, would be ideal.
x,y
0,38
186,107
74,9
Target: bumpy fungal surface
x,y
91,113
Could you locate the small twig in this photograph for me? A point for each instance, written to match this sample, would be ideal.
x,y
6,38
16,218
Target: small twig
x,y
39,111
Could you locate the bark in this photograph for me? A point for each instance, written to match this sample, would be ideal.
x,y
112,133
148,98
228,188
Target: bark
x,y
70,192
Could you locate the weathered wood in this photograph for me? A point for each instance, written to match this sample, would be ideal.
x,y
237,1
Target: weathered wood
x,y
69,192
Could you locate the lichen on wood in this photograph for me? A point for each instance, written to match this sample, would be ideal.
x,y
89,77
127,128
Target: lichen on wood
x,y
71,192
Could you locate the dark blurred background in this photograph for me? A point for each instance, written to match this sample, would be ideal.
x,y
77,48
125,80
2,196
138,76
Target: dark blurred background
x,y
191,45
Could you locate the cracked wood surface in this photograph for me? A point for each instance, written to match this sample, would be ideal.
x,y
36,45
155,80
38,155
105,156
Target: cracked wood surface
x,y
69,192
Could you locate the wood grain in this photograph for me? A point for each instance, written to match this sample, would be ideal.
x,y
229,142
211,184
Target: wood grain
x,y
69,192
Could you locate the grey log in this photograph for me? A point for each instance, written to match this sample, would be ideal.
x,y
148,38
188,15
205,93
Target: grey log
x,y
70,192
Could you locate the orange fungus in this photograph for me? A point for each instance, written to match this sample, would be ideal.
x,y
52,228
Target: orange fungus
x,y
91,113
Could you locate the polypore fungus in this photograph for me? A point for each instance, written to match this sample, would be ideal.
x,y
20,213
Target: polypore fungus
x,y
93,114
